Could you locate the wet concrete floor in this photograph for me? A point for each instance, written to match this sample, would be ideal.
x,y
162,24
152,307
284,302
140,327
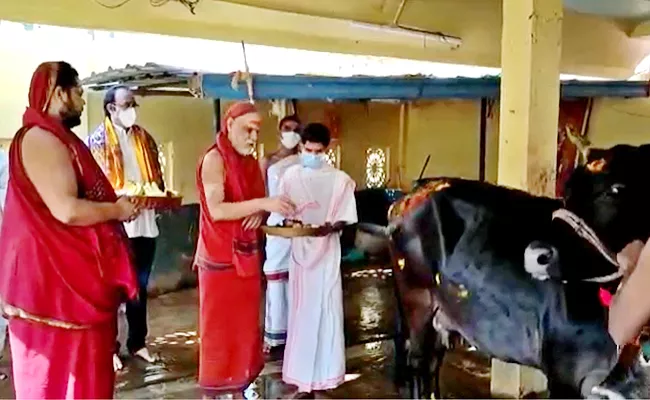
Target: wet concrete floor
x,y
370,313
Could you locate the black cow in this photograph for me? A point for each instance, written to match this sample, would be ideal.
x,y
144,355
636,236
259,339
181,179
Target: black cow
x,y
462,246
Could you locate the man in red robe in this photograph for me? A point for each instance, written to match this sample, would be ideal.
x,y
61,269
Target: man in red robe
x,y
64,261
228,255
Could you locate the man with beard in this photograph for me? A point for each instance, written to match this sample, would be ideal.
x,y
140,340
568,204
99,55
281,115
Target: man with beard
x,y
228,255
64,260
128,155
278,249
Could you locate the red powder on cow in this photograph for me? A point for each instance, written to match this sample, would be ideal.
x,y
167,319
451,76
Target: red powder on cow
x,y
605,297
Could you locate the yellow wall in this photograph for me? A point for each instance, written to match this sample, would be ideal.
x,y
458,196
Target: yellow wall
x,y
363,125
186,122
447,130
17,68
616,121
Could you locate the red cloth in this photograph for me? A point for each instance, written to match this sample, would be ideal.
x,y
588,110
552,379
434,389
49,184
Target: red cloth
x,y
229,263
230,356
225,242
73,274
81,369
61,273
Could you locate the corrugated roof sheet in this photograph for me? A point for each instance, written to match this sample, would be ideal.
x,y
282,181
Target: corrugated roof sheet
x,y
308,87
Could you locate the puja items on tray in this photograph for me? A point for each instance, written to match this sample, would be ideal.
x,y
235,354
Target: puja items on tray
x,y
292,228
150,196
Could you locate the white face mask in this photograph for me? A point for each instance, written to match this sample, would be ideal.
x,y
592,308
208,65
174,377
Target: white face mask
x,y
290,139
127,117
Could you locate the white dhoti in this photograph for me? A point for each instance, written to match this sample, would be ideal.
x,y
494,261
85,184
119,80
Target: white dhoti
x,y
276,266
276,270
315,354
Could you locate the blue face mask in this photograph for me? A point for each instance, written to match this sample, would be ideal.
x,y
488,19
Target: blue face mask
x,y
311,160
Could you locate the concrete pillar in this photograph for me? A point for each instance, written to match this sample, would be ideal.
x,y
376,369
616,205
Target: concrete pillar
x,y
530,94
530,83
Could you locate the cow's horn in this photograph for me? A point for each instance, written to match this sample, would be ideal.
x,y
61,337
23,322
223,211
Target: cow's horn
x,y
582,143
393,225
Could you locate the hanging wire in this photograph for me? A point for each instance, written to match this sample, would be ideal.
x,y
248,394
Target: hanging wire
x,y
112,6
190,4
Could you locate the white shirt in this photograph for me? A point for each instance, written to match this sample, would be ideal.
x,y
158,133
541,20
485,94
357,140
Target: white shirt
x,y
4,177
145,225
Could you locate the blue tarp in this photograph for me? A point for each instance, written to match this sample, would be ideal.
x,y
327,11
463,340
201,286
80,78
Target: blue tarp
x,y
397,88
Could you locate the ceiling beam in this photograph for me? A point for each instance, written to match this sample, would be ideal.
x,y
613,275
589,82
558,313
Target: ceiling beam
x,y
221,20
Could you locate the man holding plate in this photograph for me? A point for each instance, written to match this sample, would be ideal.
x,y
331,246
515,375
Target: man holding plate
x,y
314,358
128,155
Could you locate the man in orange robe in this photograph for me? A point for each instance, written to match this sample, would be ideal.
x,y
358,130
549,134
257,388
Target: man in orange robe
x,y
228,255
64,260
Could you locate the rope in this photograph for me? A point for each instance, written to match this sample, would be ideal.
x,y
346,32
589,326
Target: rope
x,y
583,230
248,76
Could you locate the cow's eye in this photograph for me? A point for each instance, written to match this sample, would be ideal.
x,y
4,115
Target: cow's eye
x,y
617,188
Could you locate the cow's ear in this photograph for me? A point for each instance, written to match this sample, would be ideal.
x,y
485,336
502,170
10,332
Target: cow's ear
x,y
597,154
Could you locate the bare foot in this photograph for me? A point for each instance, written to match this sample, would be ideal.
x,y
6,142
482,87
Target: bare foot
x,y
117,363
144,354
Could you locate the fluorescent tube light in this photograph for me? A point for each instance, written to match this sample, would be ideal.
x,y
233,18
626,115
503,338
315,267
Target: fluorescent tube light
x,y
451,41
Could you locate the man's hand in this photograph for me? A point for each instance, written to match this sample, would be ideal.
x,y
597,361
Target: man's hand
x,y
49,165
127,209
280,204
252,222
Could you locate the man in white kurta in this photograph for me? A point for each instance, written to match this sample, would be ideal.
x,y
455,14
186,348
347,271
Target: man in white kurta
x,y
314,357
278,249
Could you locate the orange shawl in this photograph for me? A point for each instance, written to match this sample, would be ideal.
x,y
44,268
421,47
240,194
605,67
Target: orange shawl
x,y
106,149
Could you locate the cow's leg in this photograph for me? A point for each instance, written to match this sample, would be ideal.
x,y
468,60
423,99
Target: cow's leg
x,y
436,367
424,358
401,372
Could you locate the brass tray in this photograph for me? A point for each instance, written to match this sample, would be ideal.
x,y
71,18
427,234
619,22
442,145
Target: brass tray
x,y
291,231
159,203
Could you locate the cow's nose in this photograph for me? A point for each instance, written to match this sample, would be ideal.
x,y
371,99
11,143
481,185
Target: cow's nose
x,y
545,257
